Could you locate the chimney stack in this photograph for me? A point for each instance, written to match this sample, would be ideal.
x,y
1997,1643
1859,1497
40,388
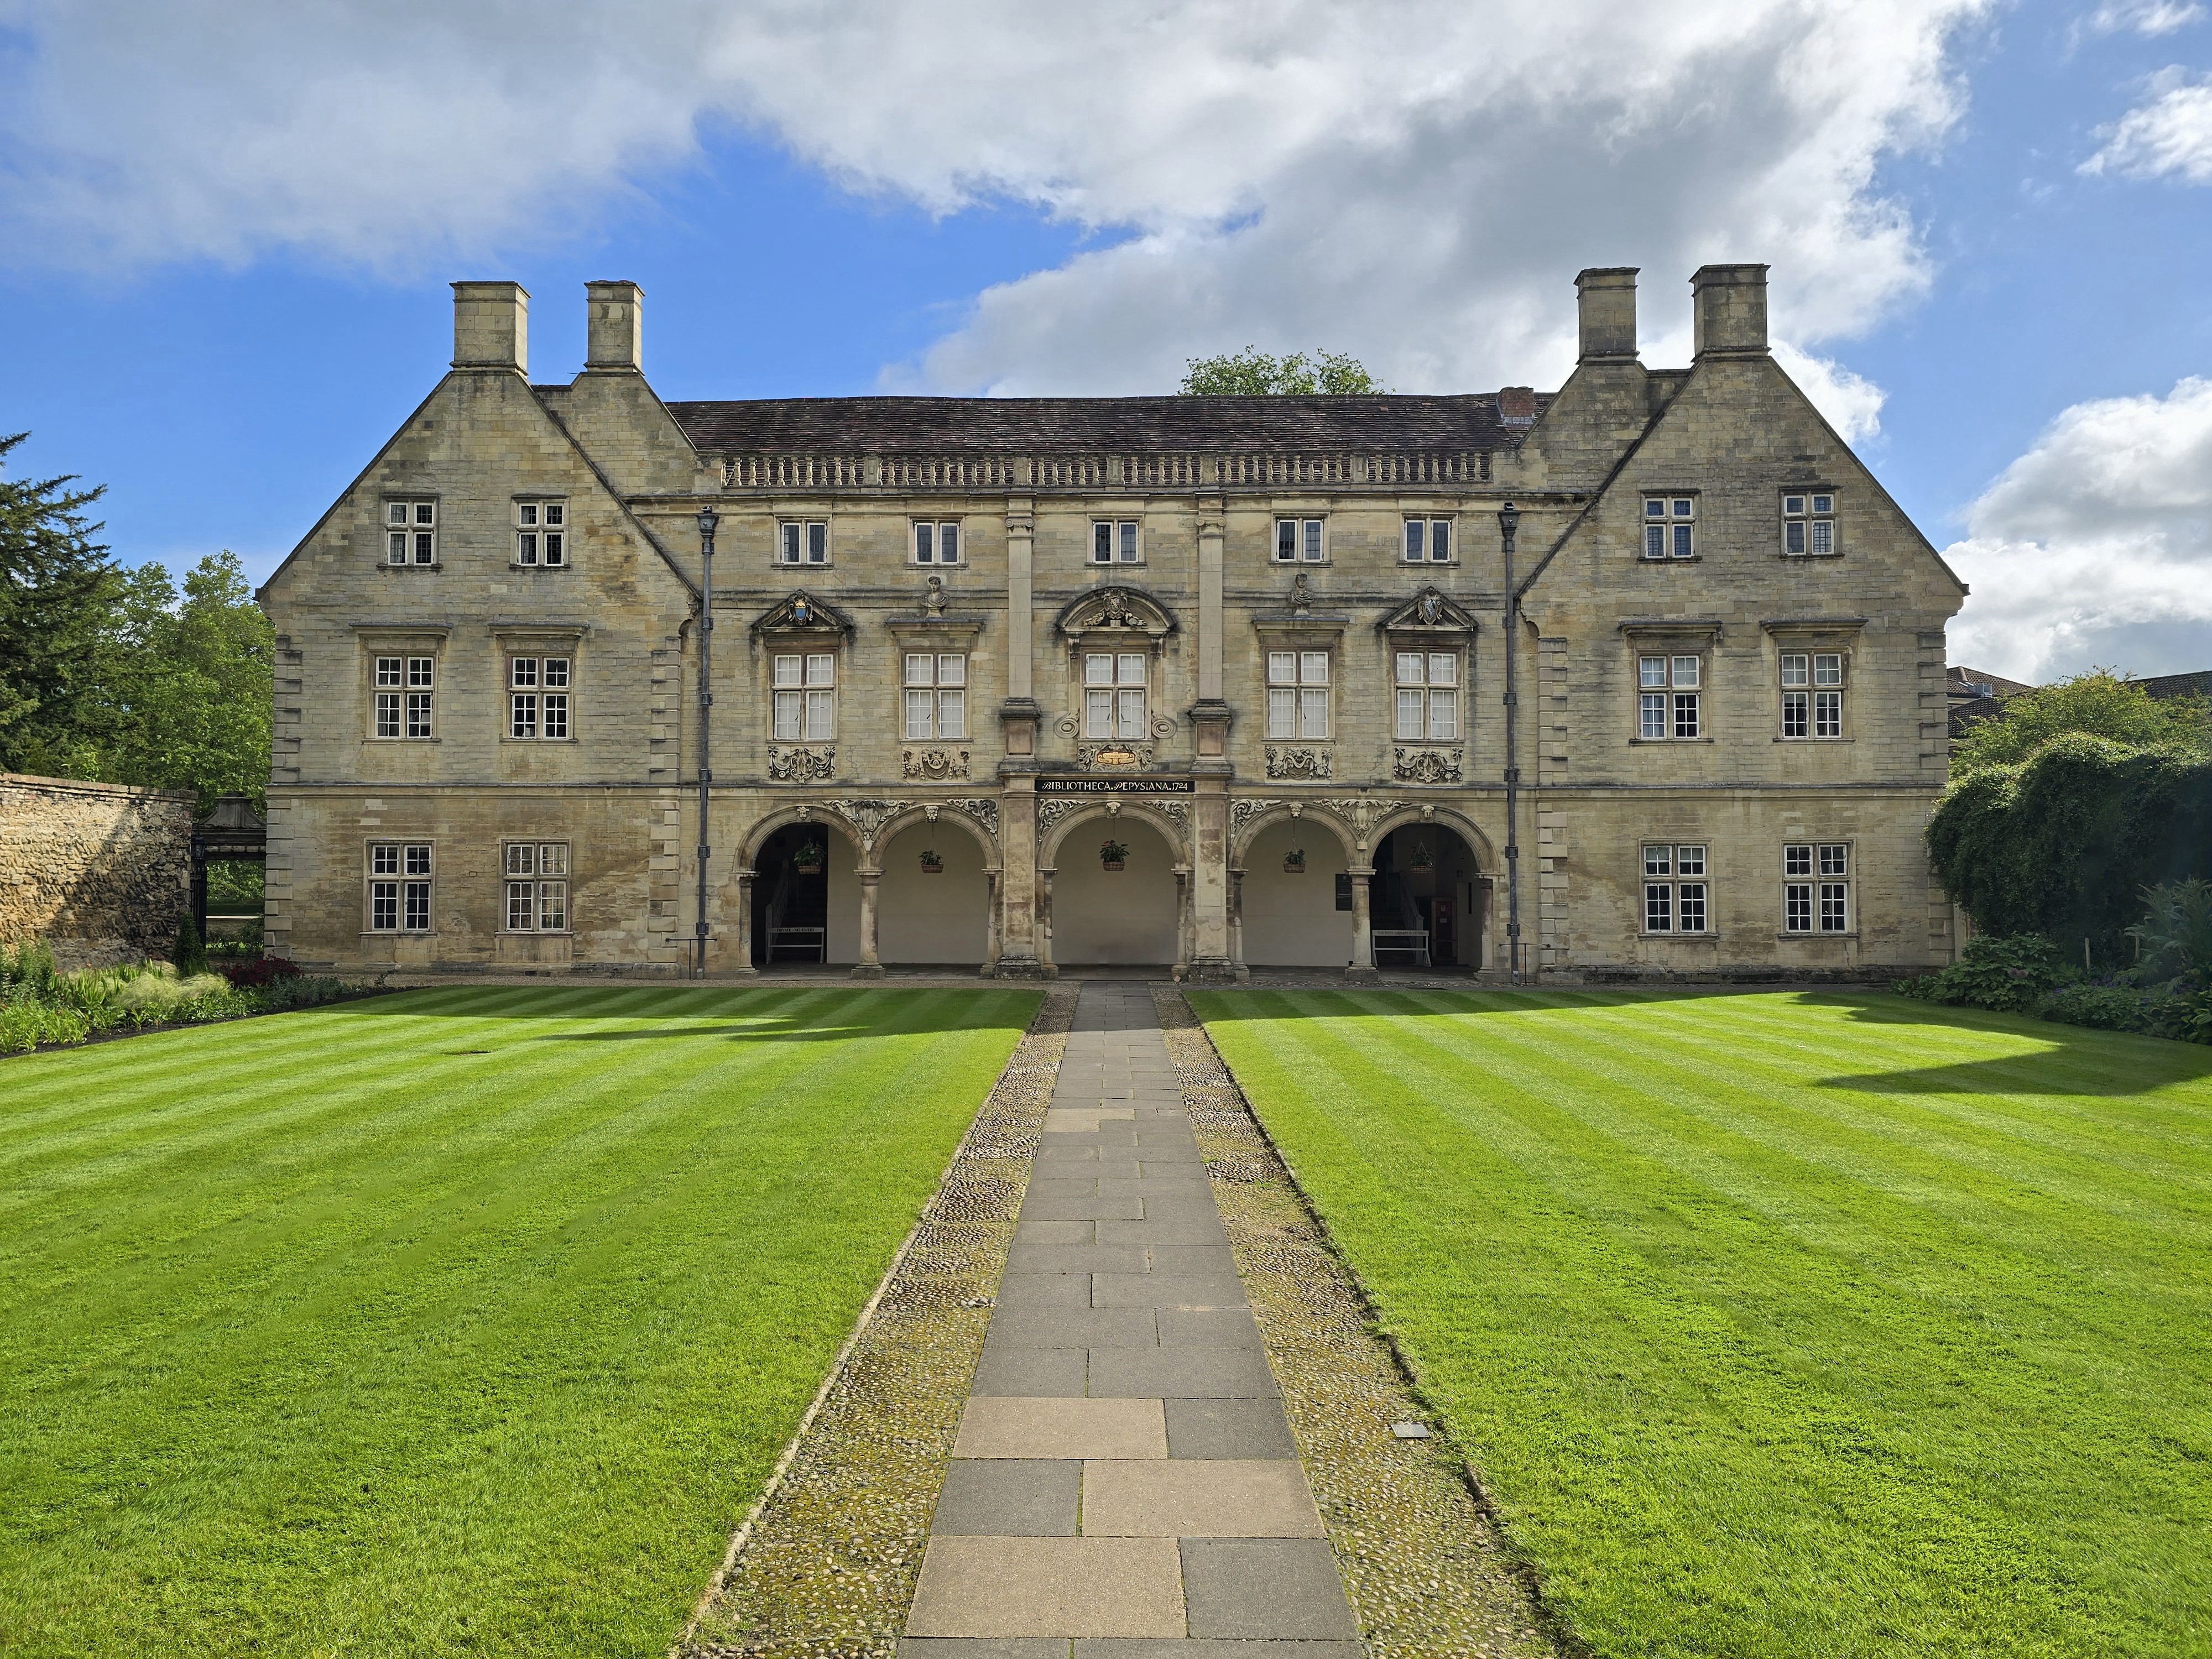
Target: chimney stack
x,y
1605,300
616,325
1730,306
491,326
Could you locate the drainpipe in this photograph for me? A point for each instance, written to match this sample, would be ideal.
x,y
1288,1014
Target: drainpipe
x,y
708,519
1509,519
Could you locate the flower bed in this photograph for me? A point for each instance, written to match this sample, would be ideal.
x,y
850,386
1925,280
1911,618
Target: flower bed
x,y
42,1008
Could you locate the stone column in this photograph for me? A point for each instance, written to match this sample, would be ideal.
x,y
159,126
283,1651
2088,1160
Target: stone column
x,y
1022,951
1184,888
990,923
868,967
1362,971
1209,715
1046,966
1209,882
1237,922
744,963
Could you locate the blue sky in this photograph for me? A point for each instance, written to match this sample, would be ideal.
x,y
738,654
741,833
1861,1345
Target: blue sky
x,y
225,232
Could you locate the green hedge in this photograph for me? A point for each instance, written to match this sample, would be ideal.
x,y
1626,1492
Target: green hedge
x,y
2064,843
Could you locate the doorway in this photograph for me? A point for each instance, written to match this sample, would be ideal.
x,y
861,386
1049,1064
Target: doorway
x,y
791,897
1114,911
1423,899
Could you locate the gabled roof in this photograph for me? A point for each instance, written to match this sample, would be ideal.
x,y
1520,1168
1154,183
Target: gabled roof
x,y
1028,425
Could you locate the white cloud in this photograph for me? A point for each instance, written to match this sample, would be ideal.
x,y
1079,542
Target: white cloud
x,y
1414,182
2149,18
2095,547
2170,134
1851,403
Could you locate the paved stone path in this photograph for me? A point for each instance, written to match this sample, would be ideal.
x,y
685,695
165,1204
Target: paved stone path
x,y
1125,1484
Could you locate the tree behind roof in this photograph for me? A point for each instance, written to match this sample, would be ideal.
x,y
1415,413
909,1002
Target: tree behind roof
x,y
1252,373
2097,704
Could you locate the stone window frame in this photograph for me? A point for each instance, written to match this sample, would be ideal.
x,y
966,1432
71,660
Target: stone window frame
x,y
804,688
937,527
1673,641
1672,879
532,526
1427,560
805,525
409,645
1678,524
799,625
413,502
1312,532
1124,541
1808,519
533,877
1812,638
538,642
936,687
1300,660
1119,655
1458,654
1432,623
402,875
1818,879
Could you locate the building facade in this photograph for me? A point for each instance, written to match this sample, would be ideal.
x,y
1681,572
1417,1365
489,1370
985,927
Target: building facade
x,y
1651,664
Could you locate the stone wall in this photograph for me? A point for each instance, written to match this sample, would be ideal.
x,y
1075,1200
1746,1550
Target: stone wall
x,y
102,870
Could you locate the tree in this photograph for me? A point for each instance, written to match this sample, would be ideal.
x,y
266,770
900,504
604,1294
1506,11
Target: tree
x,y
57,588
2098,704
1252,373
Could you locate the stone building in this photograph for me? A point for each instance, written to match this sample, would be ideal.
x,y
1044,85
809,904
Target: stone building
x,y
1025,683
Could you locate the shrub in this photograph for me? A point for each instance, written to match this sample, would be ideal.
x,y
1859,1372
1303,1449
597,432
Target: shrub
x,y
2006,975
24,1025
28,970
2177,935
191,956
259,972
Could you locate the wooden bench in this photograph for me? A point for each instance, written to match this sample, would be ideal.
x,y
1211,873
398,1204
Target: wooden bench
x,y
816,940
1413,941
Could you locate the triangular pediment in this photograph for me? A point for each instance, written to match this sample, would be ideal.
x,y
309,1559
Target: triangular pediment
x,y
802,613
1430,611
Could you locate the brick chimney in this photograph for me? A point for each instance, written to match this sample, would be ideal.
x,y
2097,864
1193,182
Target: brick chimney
x,y
1730,305
1606,302
615,311
1516,405
491,325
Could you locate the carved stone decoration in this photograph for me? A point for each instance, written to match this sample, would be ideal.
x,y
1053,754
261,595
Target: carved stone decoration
x,y
1426,766
1050,812
933,599
1430,606
1115,757
1301,596
808,763
1429,611
1242,810
1176,812
1119,612
1286,762
1362,813
935,763
983,809
1164,725
1067,725
869,816
802,613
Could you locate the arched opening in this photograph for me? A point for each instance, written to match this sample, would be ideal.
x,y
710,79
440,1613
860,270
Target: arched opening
x,y
1295,898
806,898
933,902
1428,899
1102,914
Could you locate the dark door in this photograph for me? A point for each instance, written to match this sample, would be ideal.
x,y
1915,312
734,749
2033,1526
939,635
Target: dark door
x,y
1441,952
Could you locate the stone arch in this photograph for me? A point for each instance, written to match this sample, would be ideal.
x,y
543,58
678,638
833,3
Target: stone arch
x,y
1169,832
1280,812
907,818
1428,812
829,817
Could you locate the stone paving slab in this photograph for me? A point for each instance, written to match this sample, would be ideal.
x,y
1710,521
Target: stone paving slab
x,y
1121,1309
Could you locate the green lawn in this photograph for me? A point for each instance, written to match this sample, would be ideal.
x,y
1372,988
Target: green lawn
x,y
1787,1324
464,1321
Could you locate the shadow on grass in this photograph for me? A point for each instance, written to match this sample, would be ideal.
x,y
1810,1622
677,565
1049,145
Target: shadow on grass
x,y
2071,1060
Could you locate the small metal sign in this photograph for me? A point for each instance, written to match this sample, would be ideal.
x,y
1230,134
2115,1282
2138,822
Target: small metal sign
x,y
1090,785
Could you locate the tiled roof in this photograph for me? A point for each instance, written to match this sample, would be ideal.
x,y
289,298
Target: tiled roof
x,y
2196,684
1018,426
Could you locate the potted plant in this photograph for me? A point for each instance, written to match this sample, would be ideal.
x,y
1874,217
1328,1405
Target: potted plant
x,y
1294,861
1112,854
807,860
931,864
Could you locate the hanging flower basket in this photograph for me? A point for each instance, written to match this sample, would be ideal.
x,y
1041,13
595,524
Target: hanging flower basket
x,y
1294,861
1113,855
1423,859
808,860
931,864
